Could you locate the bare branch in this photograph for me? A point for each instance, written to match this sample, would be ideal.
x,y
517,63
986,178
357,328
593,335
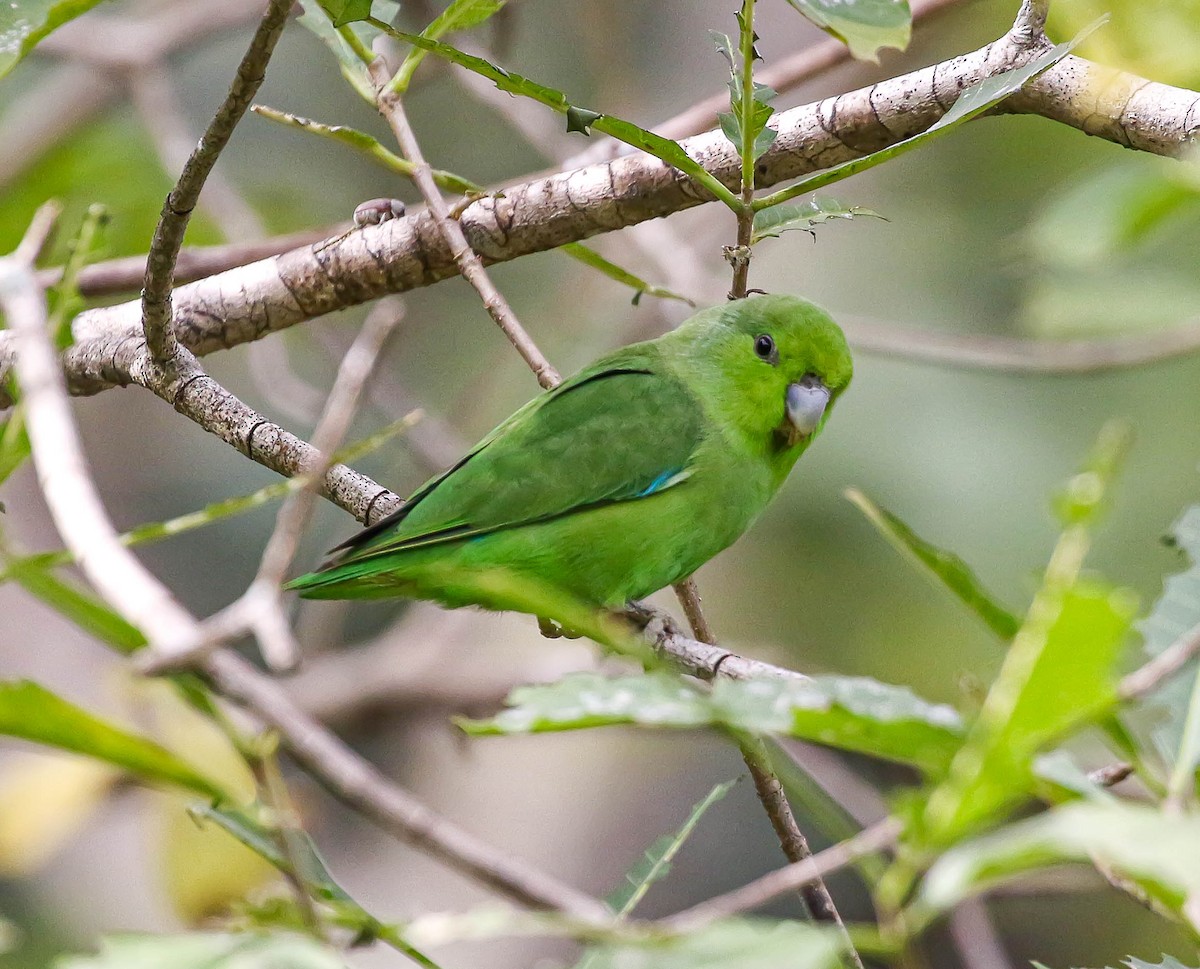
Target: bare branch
x,y
247,303
468,262
356,783
789,879
157,317
1145,679
66,482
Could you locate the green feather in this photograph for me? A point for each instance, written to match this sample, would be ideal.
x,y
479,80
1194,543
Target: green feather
x,y
625,478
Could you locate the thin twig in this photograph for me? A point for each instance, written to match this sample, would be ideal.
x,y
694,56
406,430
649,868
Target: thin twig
x,y
1145,679
469,264
783,880
358,784
157,323
66,482
260,609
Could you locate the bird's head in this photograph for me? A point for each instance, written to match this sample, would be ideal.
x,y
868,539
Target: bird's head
x,y
782,362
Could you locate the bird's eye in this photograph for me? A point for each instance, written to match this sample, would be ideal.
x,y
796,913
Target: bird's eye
x,y
764,346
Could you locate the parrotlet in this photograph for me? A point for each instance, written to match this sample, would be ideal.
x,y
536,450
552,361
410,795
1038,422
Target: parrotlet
x,y
625,478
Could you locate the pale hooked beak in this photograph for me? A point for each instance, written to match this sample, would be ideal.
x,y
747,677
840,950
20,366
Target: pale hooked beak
x,y
806,403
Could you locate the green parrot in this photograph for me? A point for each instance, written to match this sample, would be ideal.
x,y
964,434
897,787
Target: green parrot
x,y
625,478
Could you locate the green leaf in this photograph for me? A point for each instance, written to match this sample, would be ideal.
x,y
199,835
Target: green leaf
x,y
944,567
771,223
343,12
847,712
459,15
362,142
731,944
14,443
345,46
590,257
33,713
970,104
656,862
304,863
1058,675
82,608
208,950
23,23
247,829
864,26
662,148
64,297
1158,851
1168,962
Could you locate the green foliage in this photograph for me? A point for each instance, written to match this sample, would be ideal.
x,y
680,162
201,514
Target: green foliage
x,y
847,712
303,865
362,142
23,23
82,608
1131,962
751,115
1161,853
944,567
91,167
30,712
771,223
342,12
865,26
208,950
1058,674
590,257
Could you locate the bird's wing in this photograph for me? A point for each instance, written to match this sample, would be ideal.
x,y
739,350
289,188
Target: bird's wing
x,y
612,433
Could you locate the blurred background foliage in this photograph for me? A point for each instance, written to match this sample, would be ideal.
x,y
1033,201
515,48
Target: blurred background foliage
x,y
1011,226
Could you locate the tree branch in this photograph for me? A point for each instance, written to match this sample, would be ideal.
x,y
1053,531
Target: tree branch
x,y
246,303
465,258
157,317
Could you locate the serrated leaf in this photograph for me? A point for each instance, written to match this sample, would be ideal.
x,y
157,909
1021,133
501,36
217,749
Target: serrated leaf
x,y
771,223
865,26
208,950
945,567
730,944
656,862
343,12
589,257
30,712
1160,852
23,23
847,712
970,104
